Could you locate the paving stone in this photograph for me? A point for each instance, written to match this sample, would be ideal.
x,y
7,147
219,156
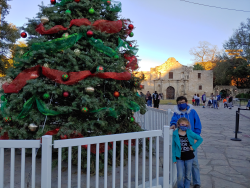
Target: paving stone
x,y
220,183
219,162
206,181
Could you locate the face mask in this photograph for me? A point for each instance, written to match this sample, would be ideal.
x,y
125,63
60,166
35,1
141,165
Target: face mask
x,y
182,106
183,128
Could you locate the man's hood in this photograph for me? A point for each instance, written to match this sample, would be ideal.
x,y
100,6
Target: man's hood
x,y
189,108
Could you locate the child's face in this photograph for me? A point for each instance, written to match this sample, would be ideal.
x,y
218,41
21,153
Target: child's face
x,y
184,123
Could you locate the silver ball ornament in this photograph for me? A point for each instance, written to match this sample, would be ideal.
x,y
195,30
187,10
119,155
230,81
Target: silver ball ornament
x,y
89,89
9,80
46,65
77,52
44,19
32,127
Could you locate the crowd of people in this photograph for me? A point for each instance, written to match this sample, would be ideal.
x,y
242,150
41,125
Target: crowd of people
x,y
213,101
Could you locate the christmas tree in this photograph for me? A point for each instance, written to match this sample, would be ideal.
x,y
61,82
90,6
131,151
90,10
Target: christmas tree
x,y
74,79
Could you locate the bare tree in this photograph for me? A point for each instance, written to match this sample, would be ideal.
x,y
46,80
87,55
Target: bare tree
x,y
204,52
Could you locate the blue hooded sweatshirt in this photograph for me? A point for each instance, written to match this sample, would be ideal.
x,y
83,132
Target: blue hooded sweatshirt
x,y
191,115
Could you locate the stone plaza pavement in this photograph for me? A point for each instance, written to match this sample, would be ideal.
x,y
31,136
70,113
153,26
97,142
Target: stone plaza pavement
x,y
223,163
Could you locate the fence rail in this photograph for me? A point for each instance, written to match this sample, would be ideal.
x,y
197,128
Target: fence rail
x,y
23,144
152,120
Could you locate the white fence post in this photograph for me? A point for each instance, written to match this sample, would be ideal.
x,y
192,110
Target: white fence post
x,y
46,161
166,157
169,117
2,167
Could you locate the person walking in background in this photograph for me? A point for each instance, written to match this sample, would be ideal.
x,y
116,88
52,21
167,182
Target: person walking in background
x,y
149,100
182,109
198,100
193,101
156,99
195,98
218,100
230,102
184,145
215,102
204,98
147,94
225,103
248,104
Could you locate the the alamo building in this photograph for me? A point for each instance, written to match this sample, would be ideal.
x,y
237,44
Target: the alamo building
x,y
174,79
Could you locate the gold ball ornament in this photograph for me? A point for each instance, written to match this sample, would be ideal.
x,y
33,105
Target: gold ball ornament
x,y
65,35
46,65
32,127
77,52
44,19
89,89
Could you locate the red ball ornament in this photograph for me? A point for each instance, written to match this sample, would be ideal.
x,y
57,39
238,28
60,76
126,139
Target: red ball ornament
x,y
116,94
141,86
77,1
53,2
130,45
90,33
109,2
65,94
131,26
23,35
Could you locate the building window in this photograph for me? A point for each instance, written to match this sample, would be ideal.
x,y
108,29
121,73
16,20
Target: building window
x,y
199,75
200,87
171,75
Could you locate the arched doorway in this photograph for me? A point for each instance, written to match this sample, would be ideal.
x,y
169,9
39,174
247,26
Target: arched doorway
x,y
225,93
170,93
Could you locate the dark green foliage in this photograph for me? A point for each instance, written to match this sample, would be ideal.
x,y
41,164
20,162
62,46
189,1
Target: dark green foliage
x,y
88,124
243,95
232,71
198,67
8,36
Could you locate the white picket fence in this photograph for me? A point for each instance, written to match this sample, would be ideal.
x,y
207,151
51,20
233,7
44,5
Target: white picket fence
x,y
154,119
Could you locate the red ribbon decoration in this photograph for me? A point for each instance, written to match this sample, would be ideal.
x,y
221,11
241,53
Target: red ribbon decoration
x,y
32,73
101,25
132,62
5,136
20,81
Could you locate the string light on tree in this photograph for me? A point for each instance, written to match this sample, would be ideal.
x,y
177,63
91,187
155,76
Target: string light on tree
x,y
65,35
132,119
63,137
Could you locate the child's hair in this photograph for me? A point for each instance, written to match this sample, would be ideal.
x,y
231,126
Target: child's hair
x,y
181,120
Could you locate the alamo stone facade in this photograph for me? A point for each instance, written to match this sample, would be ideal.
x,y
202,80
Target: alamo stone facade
x,y
174,79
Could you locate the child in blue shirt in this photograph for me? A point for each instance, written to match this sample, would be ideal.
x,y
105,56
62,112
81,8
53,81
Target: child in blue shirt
x,y
185,142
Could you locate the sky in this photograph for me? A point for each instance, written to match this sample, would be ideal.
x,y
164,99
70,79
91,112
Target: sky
x,y
164,28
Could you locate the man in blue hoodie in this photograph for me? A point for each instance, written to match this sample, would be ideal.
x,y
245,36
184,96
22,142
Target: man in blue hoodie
x,y
186,110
